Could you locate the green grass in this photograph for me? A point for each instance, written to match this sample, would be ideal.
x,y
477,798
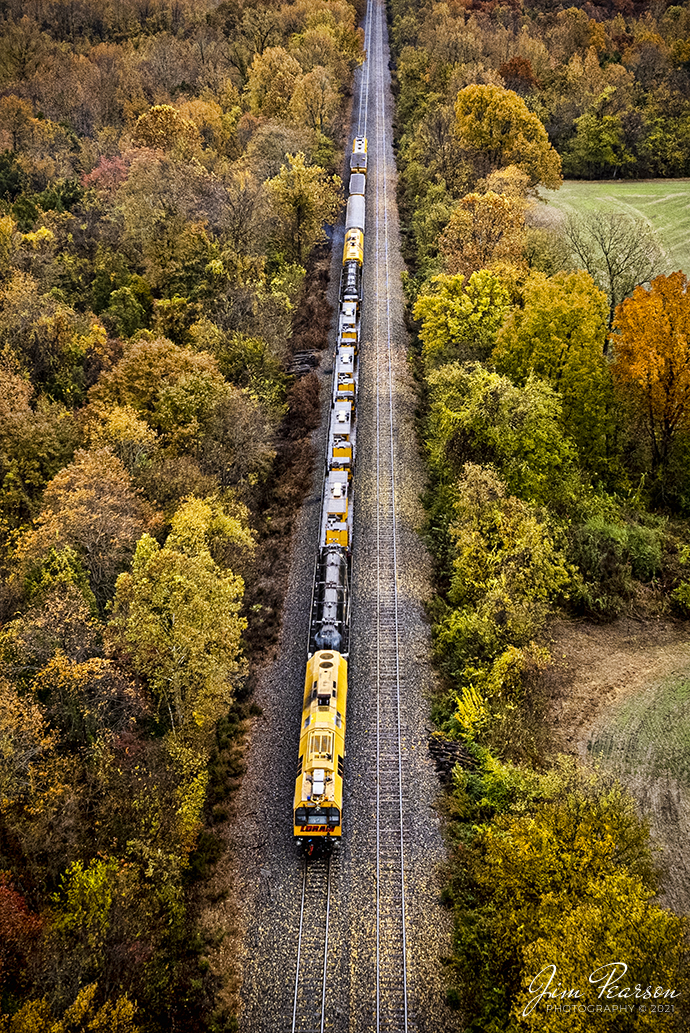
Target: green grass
x,y
664,203
648,736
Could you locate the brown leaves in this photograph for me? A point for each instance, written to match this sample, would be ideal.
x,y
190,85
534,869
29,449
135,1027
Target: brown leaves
x,y
484,229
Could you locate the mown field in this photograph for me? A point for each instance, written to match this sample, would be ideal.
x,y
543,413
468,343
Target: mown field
x,y
665,203
645,743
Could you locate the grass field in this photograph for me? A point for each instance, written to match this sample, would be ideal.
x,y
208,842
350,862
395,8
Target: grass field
x,y
646,744
664,203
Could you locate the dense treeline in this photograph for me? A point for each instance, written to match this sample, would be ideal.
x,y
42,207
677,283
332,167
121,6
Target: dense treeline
x,y
166,171
553,368
609,81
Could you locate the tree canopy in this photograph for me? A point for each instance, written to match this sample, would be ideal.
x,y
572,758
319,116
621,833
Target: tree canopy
x,y
652,360
560,335
498,129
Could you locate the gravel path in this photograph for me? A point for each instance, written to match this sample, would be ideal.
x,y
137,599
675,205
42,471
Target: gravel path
x,y
269,868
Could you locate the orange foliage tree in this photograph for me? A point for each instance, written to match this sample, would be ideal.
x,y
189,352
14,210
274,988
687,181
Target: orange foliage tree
x,y
652,350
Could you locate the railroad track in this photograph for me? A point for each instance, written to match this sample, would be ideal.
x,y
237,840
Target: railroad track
x,y
392,1010
311,980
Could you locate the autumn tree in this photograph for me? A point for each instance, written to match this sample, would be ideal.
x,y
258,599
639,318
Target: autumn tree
x,y
176,617
477,416
558,872
652,360
304,198
19,930
484,229
34,445
496,128
163,128
37,1016
619,251
15,114
460,319
506,571
92,507
315,100
559,334
87,702
272,79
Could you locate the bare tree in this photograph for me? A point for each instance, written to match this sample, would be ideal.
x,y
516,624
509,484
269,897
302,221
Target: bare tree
x,y
618,250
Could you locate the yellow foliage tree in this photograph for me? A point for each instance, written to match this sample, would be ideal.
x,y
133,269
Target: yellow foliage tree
x,y
163,128
497,128
315,100
272,79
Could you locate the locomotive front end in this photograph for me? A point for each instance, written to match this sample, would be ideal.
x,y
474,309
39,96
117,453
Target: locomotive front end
x,y
318,799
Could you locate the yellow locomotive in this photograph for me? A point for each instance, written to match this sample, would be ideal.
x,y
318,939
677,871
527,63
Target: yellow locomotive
x,y
318,804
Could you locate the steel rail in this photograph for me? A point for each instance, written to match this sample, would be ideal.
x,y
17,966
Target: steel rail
x,y
364,90
309,1013
387,525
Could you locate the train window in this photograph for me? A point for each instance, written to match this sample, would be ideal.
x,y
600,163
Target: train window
x,y
324,701
333,816
301,816
339,720
307,720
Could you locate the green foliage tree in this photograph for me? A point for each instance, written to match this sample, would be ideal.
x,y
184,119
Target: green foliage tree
x,y
507,571
480,417
460,319
560,335
598,148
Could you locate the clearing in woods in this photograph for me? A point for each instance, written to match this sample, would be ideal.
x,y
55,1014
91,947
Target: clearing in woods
x,y
664,203
620,701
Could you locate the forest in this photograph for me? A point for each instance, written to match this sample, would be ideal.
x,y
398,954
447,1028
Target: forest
x,y
552,362
166,170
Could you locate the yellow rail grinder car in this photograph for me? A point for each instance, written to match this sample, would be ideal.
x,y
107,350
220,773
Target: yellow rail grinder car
x,y
319,784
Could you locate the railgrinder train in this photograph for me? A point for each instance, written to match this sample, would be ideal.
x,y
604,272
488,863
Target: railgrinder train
x,y
318,801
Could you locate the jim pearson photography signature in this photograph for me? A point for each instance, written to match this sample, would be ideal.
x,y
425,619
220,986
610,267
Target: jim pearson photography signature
x,y
609,978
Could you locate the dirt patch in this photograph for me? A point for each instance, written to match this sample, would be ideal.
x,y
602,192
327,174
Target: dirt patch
x,y
597,665
618,698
